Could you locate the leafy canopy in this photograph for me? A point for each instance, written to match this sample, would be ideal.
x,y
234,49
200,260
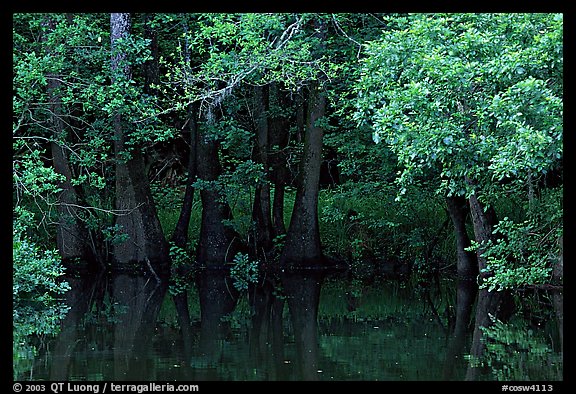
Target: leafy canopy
x,y
475,96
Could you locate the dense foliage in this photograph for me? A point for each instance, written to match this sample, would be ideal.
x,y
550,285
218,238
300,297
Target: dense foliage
x,y
207,122
473,104
38,289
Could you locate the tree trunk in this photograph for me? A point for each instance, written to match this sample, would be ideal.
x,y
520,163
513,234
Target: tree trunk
x,y
490,303
261,215
300,118
218,243
180,234
279,129
302,245
467,265
146,245
71,234
152,66
483,220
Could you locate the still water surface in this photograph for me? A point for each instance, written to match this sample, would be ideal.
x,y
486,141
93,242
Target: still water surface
x,y
126,328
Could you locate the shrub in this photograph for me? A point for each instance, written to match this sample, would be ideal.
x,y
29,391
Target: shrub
x,y
37,289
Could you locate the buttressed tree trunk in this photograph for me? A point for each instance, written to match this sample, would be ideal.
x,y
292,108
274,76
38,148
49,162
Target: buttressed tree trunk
x,y
261,212
302,245
218,243
279,128
217,246
146,245
467,265
71,234
490,303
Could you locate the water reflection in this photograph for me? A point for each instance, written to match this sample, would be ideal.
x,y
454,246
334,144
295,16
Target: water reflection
x,y
218,298
490,304
116,313
137,300
303,295
465,296
558,299
266,334
290,326
83,291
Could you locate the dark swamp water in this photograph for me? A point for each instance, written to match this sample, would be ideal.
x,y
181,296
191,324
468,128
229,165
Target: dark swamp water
x,y
298,327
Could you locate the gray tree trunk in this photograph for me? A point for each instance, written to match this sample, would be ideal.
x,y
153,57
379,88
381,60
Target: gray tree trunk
x,y
71,234
261,212
467,265
490,303
146,245
302,246
218,243
279,129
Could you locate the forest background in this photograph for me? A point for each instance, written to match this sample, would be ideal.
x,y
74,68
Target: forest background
x,y
429,144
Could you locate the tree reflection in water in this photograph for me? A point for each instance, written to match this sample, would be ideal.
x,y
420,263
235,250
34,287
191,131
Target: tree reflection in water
x,y
84,290
266,337
137,300
117,312
118,329
218,298
303,295
465,296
